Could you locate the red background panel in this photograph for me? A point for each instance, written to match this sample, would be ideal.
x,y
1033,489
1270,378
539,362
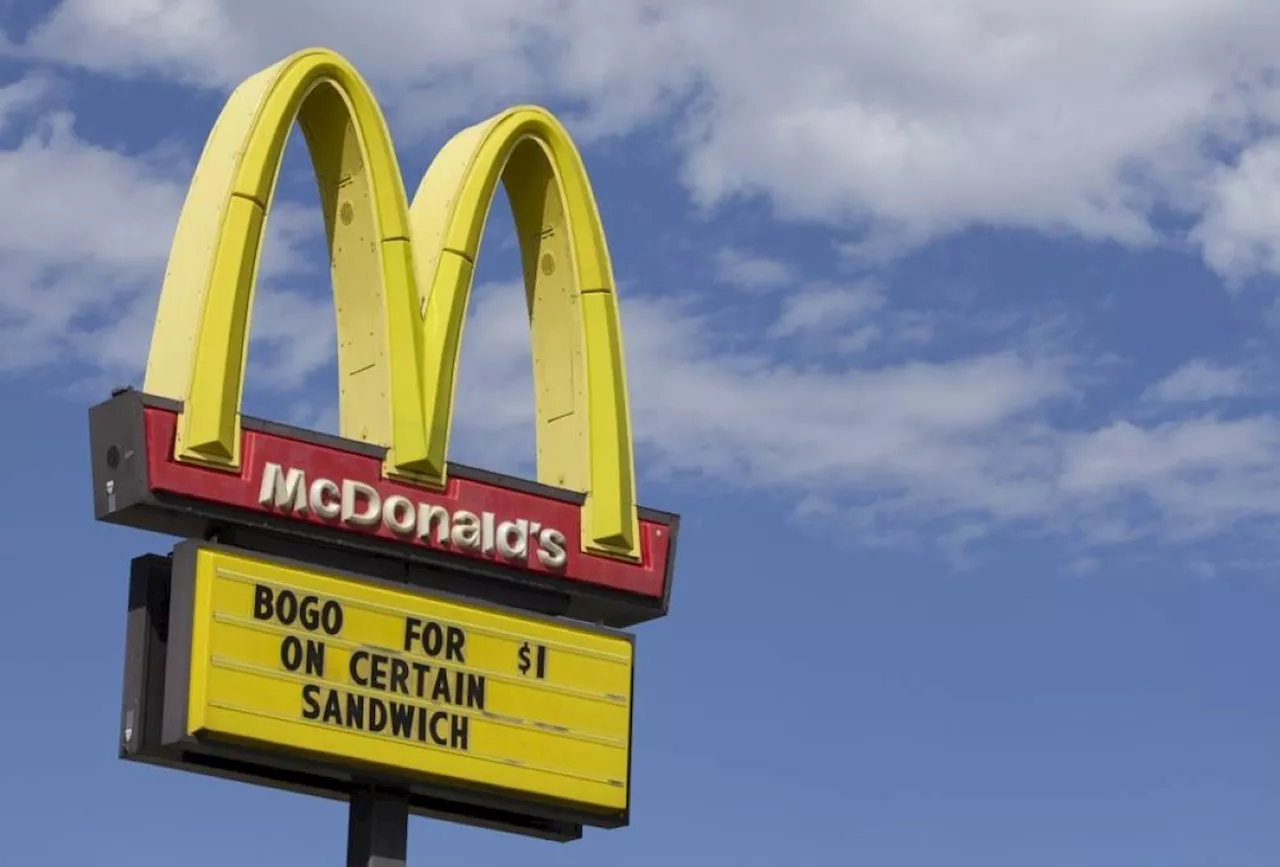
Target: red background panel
x,y
240,490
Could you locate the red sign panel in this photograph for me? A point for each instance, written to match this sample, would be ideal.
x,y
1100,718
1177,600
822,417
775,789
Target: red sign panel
x,y
345,490
313,486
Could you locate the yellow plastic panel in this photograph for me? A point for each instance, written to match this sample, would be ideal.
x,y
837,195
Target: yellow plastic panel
x,y
204,312
579,379
212,430
611,498
401,278
195,239
286,658
442,321
553,300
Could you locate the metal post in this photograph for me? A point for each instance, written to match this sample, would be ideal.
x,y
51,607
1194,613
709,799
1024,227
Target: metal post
x,y
377,828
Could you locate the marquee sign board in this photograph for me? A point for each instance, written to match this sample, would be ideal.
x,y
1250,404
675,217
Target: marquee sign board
x,y
440,694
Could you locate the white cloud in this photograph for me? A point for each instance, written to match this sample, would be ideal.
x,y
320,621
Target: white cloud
x,y
84,204
83,245
86,227
1196,381
22,95
823,309
1240,230
1197,475
1124,455
1079,117
751,271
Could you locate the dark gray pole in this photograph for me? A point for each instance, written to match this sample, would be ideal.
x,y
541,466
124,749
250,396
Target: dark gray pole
x,y
378,828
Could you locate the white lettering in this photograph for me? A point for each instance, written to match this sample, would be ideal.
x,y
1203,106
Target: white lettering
x,y
466,531
399,515
373,504
439,515
360,505
517,548
279,488
551,548
325,498
486,532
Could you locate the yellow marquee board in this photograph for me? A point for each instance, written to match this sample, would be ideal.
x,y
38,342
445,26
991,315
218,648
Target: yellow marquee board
x,y
284,657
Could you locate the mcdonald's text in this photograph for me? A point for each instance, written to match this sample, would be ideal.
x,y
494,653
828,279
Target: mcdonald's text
x,y
358,504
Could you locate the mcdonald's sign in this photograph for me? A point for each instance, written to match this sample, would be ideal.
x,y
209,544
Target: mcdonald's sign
x,y
178,457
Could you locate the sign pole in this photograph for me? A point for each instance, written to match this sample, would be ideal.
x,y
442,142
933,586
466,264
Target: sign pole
x,y
377,828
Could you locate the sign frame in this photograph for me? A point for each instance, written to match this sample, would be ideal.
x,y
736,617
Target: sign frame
x,y
154,706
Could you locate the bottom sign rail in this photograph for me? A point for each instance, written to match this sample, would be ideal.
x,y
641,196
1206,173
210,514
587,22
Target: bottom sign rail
x,y
254,668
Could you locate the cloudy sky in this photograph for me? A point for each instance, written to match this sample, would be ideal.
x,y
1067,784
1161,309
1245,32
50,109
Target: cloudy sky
x,y
971,301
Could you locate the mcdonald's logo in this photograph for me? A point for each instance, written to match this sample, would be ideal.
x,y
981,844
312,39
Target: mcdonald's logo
x,y
179,457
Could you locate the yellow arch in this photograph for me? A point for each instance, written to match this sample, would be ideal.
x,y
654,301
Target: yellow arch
x,y
399,335
583,420
200,337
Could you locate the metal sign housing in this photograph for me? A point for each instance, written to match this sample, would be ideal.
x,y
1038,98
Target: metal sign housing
x,y
489,716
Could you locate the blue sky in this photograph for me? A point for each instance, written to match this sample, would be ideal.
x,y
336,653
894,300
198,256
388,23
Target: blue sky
x,y
952,335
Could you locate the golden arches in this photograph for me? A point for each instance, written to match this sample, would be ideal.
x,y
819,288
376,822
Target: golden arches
x,y
401,279
200,339
583,421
